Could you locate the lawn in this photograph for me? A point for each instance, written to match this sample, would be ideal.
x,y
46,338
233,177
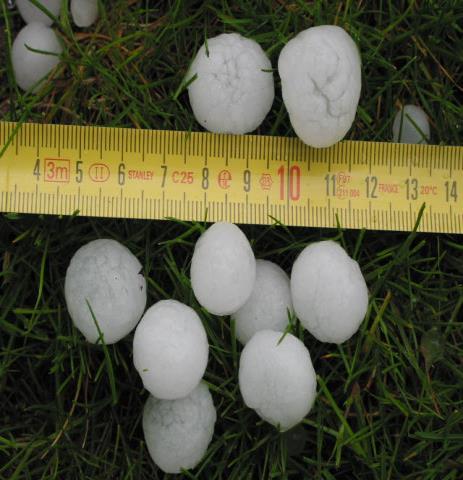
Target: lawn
x,y
390,400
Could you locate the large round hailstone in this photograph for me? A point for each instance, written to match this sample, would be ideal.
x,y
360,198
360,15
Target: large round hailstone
x,y
178,432
269,304
32,14
277,379
31,66
223,269
170,349
84,12
108,276
411,125
330,295
320,72
233,90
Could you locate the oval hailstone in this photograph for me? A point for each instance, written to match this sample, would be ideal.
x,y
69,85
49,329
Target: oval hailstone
x,y
32,14
170,349
178,432
223,269
233,90
330,295
84,12
320,72
107,275
277,379
30,67
411,125
268,305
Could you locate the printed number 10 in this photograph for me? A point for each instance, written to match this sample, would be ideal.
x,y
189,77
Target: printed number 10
x,y
292,179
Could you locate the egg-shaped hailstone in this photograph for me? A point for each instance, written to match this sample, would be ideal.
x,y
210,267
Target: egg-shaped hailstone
x,y
277,379
411,125
170,349
33,14
30,67
84,12
320,70
231,89
268,306
178,432
105,278
223,269
330,295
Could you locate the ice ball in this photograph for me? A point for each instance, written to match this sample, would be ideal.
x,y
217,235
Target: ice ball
x,y
32,14
233,90
108,276
320,70
277,379
329,293
223,269
170,349
268,306
411,125
84,12
178,432
32,66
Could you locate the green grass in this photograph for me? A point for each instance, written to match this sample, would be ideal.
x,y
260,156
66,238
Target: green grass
x,y
390,401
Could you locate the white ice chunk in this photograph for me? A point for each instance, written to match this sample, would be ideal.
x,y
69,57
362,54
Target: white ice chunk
x,y
178,432
170,349
223,269
320,70
84,12
30,66
411,125
32,14
108,276
268,305
330,295
277,379
233,90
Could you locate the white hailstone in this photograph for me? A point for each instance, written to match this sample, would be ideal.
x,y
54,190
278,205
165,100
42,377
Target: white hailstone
x,y
170,349
84,12
411,125
277,379
178,432
30,66
223,269
32,14
330,295
320,72
269,304
108,276
234,90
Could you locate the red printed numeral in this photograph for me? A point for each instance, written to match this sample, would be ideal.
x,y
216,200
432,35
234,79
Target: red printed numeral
x,y
57,170
292,179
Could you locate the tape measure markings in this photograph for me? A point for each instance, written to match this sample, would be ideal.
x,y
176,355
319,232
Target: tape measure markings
x,y
245,179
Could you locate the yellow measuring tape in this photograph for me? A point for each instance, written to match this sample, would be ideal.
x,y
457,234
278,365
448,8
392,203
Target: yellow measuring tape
x,y
148,174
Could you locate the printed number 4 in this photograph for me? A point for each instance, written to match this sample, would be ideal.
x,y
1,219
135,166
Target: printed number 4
x,y
37,170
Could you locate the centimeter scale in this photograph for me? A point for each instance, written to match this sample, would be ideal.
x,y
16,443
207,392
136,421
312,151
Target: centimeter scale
x,y
149,174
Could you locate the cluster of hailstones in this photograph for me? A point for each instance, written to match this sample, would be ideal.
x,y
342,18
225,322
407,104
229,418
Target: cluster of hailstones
x,y
106,296
230,80
36,49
